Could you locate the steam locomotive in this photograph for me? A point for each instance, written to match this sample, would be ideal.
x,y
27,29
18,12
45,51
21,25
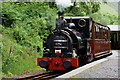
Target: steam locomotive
x,y
75,40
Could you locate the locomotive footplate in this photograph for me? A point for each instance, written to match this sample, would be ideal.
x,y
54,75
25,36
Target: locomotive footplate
x,y
57,63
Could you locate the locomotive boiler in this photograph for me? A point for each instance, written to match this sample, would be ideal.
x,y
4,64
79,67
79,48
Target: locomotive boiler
x,y
75,40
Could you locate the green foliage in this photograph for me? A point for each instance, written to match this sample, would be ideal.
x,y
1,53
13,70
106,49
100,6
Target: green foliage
x,y
17,58
105,16
83,8
107,19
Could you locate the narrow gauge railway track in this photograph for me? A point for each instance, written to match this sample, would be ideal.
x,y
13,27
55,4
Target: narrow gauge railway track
x,y
47,75
52,74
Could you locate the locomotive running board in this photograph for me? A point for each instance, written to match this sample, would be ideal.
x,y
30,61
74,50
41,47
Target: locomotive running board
x,y
105,53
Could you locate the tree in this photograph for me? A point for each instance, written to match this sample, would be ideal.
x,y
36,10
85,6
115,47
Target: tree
x,y
83,8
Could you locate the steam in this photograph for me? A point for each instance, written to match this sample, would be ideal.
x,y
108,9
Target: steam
x,y
62,4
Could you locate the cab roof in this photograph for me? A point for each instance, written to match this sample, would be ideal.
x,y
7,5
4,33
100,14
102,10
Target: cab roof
x,y
77,17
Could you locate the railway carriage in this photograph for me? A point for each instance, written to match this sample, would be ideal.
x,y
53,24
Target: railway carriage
x,y
75,40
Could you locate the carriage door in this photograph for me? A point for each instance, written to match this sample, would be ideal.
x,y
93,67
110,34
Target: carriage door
x,y
114,42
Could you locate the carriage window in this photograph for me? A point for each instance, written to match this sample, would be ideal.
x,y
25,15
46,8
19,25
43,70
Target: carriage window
x,y
97,31
101,33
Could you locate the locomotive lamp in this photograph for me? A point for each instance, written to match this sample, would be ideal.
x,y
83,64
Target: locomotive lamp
x,y
58,52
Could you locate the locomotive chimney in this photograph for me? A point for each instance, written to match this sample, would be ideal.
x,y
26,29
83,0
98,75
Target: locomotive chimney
x,y
61,23
60,15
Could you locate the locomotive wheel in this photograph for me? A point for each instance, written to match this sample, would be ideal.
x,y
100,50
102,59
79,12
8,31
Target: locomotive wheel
x,y
90,58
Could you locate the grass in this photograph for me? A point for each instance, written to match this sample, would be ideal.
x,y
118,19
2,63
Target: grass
x,y
19,61
107,9
109,15
0,66
0,56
